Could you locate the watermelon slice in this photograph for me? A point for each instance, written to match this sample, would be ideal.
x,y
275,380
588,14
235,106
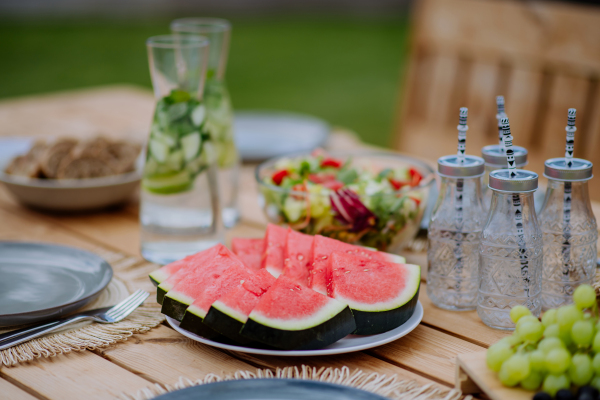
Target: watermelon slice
x,y
248,250
230,312
274,248
207,283
298,257
163,273
382,295
187,267
290,316
324,246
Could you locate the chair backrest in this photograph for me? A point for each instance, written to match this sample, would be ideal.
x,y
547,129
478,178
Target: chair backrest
x,y
544,57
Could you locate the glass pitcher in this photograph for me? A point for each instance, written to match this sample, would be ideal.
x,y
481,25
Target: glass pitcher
x,y
218,107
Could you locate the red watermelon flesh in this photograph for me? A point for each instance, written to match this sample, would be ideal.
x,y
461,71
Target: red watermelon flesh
x,y
292,316
204,281
298,257
382,295
248,250
186,267
228,314
319,278
274,249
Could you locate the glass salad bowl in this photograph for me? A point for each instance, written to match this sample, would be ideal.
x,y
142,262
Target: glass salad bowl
x,y
375,199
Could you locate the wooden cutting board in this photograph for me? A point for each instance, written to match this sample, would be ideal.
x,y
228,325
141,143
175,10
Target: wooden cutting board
x,y
473,376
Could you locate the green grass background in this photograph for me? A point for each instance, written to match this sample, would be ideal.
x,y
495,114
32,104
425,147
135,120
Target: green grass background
x,y
344,69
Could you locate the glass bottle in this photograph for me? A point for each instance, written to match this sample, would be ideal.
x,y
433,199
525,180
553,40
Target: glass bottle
x,y
511,250
454,234
569,229
179,209
495,158
218,107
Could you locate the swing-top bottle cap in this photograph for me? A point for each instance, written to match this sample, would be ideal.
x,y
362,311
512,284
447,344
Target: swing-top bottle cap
x,y
495,156
450,166
557,169
524,181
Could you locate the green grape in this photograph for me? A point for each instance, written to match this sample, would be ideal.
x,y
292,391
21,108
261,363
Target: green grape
x,y
497,354
566,316
517,312
596,382
537,360
549,317
584,296
553,383
596,364
514,370
550,343
533,381
511,340
596,343
552,330
558,361
581,371
530,331
525,319
582,332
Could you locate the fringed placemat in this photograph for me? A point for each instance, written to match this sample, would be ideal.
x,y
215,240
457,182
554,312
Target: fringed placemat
x,y
383,385
86,335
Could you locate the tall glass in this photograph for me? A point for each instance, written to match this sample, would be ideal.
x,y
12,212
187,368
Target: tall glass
x,y
179,210
218,106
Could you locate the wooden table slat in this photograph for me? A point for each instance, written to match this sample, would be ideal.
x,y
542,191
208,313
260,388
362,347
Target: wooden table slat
x,y
10,391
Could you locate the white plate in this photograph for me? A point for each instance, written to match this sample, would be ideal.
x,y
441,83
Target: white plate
x,y
260,135
348,344
65,194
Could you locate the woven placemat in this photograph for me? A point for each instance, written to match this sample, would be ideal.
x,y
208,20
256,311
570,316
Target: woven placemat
x,y
390,387
86,335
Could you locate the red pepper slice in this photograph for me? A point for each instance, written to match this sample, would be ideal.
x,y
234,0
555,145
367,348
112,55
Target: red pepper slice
x,y
415,177
397,184
320,178
418,201
331,162
278,176
333,185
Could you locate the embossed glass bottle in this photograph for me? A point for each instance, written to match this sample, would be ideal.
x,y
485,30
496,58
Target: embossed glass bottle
x,y
454,234
569,229
495,158
511,250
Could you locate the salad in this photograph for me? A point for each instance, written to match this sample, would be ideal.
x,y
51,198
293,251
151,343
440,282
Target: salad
x,y
353,200
178,136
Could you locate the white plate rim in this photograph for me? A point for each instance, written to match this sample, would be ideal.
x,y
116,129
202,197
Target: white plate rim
x,y
377,340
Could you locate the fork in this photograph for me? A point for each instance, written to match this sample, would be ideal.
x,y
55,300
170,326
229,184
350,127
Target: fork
x,y
106,315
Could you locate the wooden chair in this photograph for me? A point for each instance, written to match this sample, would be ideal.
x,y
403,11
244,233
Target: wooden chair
x,y
544,57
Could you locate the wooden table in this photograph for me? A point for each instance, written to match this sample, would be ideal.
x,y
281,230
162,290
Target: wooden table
x,y
162,355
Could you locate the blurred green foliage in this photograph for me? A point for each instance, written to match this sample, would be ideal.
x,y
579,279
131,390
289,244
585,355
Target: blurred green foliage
x,y
345,70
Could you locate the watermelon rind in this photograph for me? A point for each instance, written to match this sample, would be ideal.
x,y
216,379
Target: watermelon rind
x,y
372,319
161,291
158,276
174,304
395,258
329,325
193,321
227,321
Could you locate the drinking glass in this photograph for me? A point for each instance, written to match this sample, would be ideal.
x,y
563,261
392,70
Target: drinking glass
x,y
179,210
218,106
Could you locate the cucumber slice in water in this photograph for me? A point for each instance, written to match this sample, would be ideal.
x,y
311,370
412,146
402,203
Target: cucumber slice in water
x,y
191,145
198,115
168,184
159,150
175,160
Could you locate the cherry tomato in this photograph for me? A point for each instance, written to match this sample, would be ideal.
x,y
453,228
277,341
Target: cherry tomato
x,y
418,201
278,176
397,184
415,177
333,185
331,162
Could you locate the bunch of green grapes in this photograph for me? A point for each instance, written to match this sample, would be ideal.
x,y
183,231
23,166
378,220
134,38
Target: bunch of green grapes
x,y
561,350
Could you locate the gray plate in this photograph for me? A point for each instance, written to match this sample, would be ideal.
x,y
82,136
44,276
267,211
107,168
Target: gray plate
x,y
261,135
43,281
270,389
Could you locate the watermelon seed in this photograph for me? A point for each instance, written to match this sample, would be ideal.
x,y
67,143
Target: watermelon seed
x,y
324,257
241,282
366,270
300,257
347,272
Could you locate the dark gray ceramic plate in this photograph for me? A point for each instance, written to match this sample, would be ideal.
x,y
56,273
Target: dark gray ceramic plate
x,y
44,281
270,389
